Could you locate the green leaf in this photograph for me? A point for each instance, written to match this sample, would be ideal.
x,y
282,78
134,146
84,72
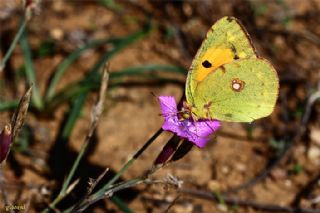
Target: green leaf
x,y
64,65
141,70
91,79
9,105
30,72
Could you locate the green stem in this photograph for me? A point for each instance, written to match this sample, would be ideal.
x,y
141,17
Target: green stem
x,y
63,66
66,183
73,169
132,160
101,192
66,132
13,44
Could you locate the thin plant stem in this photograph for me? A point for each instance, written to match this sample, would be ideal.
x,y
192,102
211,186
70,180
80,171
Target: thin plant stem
x,y
109,193
132,160
100,194
13,44
96,112
124,185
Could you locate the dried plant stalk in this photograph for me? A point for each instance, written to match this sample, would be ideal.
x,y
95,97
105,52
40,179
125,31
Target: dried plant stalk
x,y
20,114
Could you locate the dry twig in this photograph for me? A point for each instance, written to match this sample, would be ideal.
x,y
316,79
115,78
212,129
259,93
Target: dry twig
x,y
20,114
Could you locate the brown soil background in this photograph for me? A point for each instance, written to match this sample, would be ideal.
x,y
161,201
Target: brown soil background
x,y
285,32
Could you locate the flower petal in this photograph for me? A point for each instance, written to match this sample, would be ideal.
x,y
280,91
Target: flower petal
x,y
197,132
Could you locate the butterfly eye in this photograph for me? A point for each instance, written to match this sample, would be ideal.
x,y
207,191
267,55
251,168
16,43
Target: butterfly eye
x,y
206,64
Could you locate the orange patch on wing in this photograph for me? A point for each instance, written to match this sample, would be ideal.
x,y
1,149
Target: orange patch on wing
x,y
216,57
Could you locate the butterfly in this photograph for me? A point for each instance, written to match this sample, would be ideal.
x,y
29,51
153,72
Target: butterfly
x,y
227,80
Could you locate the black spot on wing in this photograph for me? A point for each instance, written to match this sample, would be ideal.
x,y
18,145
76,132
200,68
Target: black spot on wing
x,y
206,64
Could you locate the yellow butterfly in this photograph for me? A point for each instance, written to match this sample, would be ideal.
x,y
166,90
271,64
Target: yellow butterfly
x,y
227,81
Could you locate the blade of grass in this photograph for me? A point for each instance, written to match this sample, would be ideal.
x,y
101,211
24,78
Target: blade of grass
x,y
64,65
95,75
13,44
73,115
30,72
86,85
148,68
9,105
77,89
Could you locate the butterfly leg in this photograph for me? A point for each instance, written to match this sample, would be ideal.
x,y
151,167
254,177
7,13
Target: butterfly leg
x,y
186,112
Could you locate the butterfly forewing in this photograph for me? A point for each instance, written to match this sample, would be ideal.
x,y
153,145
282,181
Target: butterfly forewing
x,y
225,42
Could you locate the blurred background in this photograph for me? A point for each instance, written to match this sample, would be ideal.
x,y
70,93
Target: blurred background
x,y
149,46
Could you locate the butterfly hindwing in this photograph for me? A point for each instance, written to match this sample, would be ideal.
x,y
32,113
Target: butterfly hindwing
x,y
241,91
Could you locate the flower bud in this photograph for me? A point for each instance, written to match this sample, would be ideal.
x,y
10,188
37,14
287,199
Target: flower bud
x,y
5,142
182,150
167,150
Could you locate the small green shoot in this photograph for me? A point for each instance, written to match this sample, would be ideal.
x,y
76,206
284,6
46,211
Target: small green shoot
x,y
296,169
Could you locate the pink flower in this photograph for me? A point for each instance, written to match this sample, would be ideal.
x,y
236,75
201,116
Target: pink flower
x,y
197,132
